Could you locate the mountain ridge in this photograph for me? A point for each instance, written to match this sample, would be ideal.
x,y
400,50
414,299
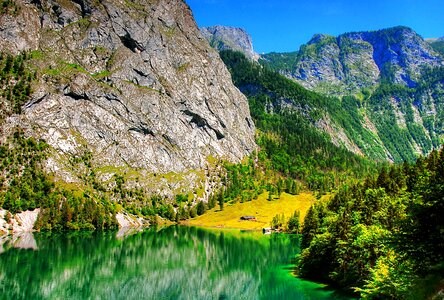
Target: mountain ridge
x,y
390,94
230,38
352,61
144,97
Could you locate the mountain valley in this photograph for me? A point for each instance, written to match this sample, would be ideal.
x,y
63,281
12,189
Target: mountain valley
x,y
122,114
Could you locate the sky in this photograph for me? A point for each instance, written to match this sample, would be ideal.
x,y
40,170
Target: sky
x,y
284,25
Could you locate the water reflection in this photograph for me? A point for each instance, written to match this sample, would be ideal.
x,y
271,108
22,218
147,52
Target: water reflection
x,y
20,240
173,263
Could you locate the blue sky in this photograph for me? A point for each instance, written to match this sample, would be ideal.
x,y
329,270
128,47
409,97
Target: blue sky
x,y
283,25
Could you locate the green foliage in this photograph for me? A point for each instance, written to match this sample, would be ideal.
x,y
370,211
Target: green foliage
x,y
23,183
9,7
15,84
394,110
278,222
220,200
212,201
25,186
201,208
280,62
381,235
438,46
293,224
242,182
193,212
284,112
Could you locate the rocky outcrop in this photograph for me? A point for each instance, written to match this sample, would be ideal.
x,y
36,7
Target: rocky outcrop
x,y
352,61
132,82
230,38
20,222
127,221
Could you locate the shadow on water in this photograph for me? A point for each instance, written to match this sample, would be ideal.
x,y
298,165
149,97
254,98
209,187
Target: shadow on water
x,y
168,263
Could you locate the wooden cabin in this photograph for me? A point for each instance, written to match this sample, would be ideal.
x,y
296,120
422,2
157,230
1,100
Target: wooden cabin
x,y
248,218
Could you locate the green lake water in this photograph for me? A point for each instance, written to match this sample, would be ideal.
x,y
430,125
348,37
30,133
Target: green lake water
x,y
170,263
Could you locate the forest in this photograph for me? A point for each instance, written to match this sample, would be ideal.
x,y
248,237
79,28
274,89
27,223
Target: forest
x,y
382,237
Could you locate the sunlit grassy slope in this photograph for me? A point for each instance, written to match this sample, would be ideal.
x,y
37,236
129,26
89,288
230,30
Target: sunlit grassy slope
x,y
262,209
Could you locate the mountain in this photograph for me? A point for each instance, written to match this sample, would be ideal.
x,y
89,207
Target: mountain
x,y
437,44
230,38
121,89
387,122
350,62
392,80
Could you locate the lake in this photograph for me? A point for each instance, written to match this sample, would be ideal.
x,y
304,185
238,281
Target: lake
x,y
170,263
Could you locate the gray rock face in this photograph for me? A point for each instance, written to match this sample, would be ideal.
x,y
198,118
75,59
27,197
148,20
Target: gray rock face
x,y
230,38
352,61
134,82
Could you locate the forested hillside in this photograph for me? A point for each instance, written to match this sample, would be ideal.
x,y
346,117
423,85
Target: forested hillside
x,y
285,114
438,45
382,237
389,122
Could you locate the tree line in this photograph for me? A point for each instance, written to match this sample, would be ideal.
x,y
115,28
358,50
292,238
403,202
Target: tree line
x,y
382,237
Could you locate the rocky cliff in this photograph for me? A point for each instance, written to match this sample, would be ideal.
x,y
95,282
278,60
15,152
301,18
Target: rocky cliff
x,y
230,38
132,85
352,61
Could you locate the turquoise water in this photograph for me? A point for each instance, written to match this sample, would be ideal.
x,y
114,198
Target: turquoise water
x,y
170,263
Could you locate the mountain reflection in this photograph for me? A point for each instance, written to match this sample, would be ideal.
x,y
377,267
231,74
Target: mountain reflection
x,y
173,263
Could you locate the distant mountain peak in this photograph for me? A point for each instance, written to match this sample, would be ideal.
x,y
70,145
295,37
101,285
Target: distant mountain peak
x,y
351,61
230,38
318,37
437,44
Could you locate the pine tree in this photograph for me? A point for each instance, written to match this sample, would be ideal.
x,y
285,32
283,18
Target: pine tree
x,y
200,208
310,228
293,224
220,200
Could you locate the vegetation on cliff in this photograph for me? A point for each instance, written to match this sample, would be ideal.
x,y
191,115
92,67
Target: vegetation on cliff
x,y
284,112
26,186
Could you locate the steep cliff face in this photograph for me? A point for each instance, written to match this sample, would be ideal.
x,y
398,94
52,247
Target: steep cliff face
x,y
131,82
352,61
230,38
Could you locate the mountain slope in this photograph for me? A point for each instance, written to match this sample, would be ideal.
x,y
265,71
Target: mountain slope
x,y
132,84
394,123
299,130
438,45
230,38
352,61
393,82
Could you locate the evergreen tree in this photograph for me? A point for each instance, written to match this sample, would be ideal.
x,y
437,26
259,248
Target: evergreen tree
x,y
293,225
200,208
220,200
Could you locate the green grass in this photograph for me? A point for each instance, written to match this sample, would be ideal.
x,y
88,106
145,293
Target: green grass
x,y
261,208
101,74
